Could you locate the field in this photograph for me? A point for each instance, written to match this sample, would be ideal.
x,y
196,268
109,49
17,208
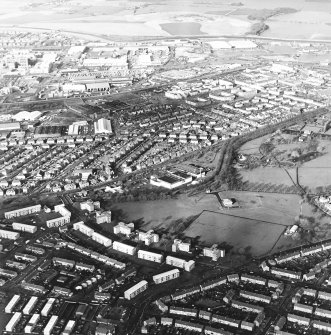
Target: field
x,y
252,236
314,173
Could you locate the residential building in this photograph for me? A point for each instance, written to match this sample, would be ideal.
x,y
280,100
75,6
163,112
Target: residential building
x,y
213,252
125,248
124,228
180,263
165,276
10,235
24,227
135,290
23,211
150,256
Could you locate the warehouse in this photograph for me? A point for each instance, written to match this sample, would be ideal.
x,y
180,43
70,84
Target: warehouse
x,y
165,276
13,322
102,126
48,306
69,327
125,248
180,263
24,227
12,303
32,323
135,290
23,211
30,305
150,256
101,239
62,291
50,325
10,235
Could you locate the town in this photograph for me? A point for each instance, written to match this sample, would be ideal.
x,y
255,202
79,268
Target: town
x,y
90,128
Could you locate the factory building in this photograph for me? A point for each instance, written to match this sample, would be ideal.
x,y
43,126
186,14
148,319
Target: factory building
x,y
30,305
101,239
24,227
165,276
48,306
50,325
10,235
102,126
32,323
13,322
150,256
12,303
125,248
23,211
180,263
123,228
69,327
135,290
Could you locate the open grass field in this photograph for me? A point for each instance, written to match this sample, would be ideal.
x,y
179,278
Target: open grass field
x,y
254,236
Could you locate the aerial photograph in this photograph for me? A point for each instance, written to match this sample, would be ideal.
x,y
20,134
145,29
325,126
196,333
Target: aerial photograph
x,y
165,167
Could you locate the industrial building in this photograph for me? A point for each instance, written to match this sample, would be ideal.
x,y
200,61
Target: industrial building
x,y
165,276
10,235
125,248
102,126
24,227
135,290
30,305
10,327
23,211
32,323
180,263
12,303
50,325
150,256
47,307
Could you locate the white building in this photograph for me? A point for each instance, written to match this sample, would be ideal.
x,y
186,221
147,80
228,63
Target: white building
x,y
23,211
213,252
104,217
12,303
24,227
123,228
179,245
135,290
61,221
150,256
101,239
83,228
30,305
165,276
180,263
13,322
125,248
148,237
50,325
10,235
32,323
102,126
87,205
48,306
